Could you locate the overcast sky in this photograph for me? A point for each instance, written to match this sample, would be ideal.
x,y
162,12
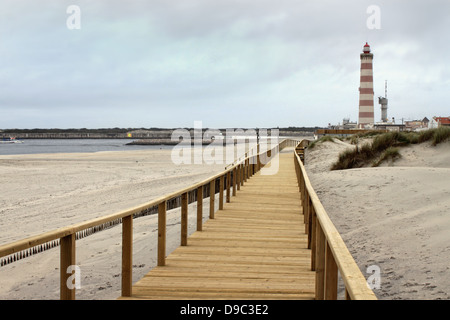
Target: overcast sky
x,y
227,63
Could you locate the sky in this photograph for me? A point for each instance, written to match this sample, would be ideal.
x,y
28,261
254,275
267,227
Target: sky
x,y
226,63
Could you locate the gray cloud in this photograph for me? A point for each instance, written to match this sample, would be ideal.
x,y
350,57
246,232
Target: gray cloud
x,y
169,63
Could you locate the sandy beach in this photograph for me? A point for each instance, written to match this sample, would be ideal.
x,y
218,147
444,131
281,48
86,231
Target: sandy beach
x,y
395,216
43,192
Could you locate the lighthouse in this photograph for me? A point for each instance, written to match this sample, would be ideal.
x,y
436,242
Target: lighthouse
x,y
366,111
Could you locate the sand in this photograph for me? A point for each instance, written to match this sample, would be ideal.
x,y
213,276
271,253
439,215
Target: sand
x,y
395,217
43,192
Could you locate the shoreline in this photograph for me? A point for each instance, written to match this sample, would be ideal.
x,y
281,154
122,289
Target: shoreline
x,y
384,215
75,187
63,189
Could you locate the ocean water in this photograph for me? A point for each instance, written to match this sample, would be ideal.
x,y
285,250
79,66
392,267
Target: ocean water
x,y
34,146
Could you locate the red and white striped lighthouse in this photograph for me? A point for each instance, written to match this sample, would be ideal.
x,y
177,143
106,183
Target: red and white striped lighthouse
x,y
366,112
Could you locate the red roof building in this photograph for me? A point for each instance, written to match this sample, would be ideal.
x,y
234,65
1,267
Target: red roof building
x,y
442,121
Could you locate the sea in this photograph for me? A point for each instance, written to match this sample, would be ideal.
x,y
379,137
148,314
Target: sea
x,y
35,146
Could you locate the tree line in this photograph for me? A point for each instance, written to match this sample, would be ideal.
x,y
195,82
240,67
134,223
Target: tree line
x,y
124,130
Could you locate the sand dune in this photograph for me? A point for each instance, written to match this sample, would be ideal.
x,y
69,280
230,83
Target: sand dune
x,y
396,216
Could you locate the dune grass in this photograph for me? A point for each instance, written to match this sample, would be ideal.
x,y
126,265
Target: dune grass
x,y
323,139
386,147
354,138
390,153
440,135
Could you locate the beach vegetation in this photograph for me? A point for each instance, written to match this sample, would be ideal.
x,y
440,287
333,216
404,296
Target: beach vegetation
x,y
321,140
353,158
355,138
440,135
390,153
386,146
425,135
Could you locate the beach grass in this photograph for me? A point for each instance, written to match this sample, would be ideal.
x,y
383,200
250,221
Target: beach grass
x,y
322,139
390,153
385,147
440,135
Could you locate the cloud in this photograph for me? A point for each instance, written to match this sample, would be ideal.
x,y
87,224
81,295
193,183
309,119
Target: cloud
x,y
169,63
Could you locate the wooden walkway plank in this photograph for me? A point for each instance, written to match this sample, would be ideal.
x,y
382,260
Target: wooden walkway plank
x,y
254,248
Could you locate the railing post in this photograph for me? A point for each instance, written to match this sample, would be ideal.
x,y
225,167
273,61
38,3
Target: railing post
x,y
258,164
212,198
309,226
222,177
242,174
331,275
67,258
306,203
238,177
303,186
249,169
313,240
184,218
253,168
228,186
199,208
245,170
320,262
235,185
162,234
127,255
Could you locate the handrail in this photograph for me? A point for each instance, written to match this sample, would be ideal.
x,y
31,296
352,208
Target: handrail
x,y
329,252
235,177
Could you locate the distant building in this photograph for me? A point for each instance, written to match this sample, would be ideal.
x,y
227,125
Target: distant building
x,y
417,124
346,125
443,121
437,122
389,126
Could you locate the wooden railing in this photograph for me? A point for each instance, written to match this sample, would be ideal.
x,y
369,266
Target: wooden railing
x,y
229,180
300,149
329,252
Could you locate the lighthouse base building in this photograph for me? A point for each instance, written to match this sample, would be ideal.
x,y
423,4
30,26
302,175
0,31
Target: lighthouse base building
x,y
366,94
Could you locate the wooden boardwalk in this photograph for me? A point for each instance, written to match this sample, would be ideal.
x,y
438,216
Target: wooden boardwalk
x,y
255,248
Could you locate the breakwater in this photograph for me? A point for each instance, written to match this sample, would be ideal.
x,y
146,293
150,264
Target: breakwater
x,y
164,135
